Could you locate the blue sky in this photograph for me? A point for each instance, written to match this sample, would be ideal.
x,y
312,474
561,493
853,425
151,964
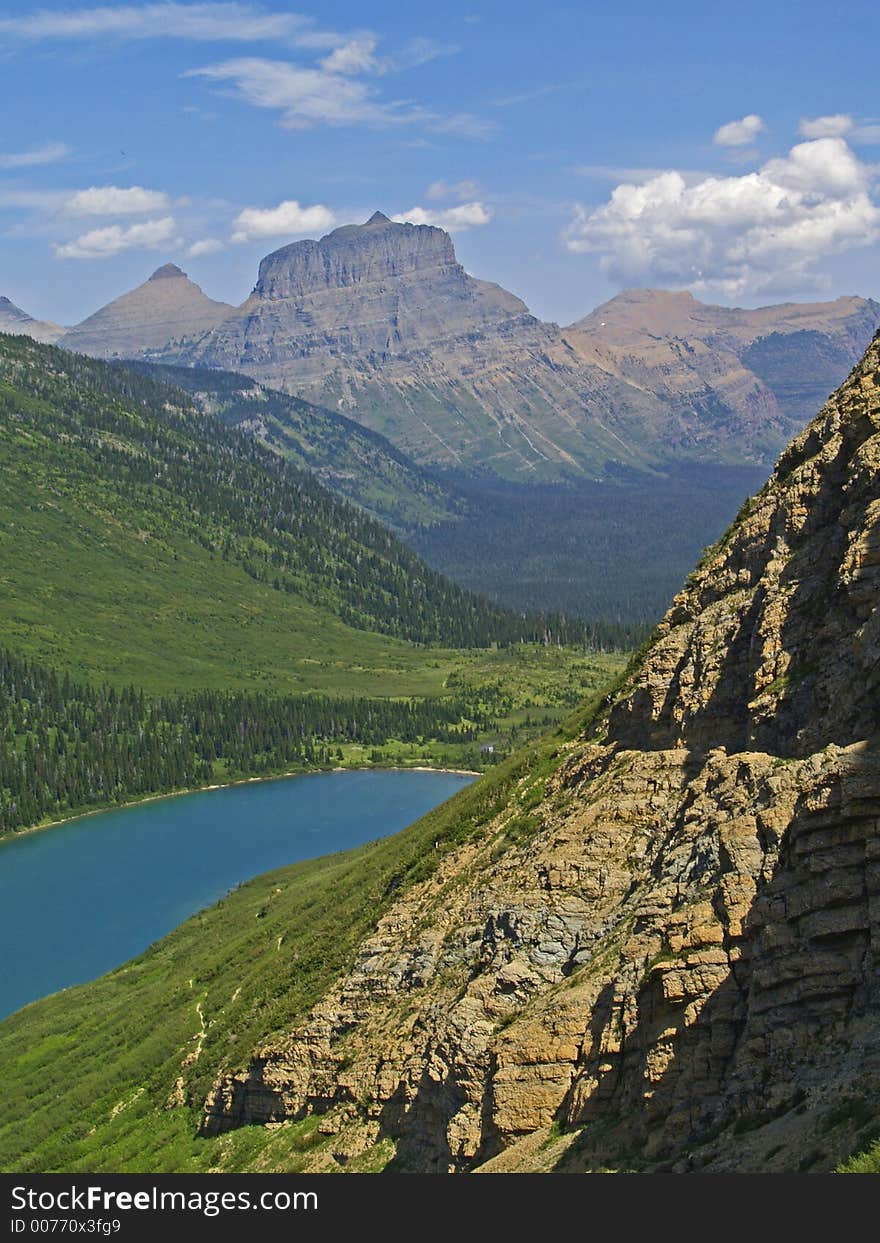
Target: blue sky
x,y
573,150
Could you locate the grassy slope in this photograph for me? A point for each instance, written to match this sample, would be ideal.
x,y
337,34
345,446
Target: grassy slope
x,y
113,580
169,615
87,1073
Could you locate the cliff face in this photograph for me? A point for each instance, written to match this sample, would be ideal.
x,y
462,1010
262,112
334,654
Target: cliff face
x,y
663,950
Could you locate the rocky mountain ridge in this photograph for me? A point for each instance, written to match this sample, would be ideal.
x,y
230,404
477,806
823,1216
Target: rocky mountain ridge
x,y
718,368
15,321
381,322
662,949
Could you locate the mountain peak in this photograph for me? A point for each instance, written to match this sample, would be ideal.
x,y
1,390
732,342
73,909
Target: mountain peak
x,y
167,270
377,217
14,320
167,307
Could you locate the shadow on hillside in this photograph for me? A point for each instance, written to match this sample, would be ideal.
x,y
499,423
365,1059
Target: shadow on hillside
x,y
828,693
789,1041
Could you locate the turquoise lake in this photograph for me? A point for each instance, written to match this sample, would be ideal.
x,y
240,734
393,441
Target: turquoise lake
x,y
84,897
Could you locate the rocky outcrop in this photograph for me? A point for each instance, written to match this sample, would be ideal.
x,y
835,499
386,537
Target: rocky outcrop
x,y
156,317
663,951
18,323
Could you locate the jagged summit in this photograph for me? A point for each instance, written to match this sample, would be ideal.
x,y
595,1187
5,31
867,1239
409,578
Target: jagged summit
x,y
381,319
168,270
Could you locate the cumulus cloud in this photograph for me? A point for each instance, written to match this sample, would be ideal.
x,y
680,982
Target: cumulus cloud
x,y
116,201
288,219
835,126
763,231
739,133
48,153
460,190
205,246
453,219
114,239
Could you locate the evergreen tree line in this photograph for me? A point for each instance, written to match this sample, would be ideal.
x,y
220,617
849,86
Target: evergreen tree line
x,y
184,471
67,746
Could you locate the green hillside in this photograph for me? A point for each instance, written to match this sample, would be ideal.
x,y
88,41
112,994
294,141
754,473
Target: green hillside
x,y
142,541
611,552
102,1077
177,589
345,456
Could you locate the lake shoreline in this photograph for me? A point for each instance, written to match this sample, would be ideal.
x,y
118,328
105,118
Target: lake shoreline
x,y
227,785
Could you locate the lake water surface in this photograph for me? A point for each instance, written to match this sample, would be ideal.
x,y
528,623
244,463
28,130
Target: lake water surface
x,y
82,898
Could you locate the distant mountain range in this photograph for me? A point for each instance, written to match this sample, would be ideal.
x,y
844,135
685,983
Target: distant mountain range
x,y
380,322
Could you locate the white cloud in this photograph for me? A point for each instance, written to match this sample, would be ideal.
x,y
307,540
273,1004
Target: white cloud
x,y
840,125
420,51
835,126
623,172
357,55
453,219
205,246
114,239
288,219
739,133
222,22
460,190
763,231
115,201
308,96
48,153
304,96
